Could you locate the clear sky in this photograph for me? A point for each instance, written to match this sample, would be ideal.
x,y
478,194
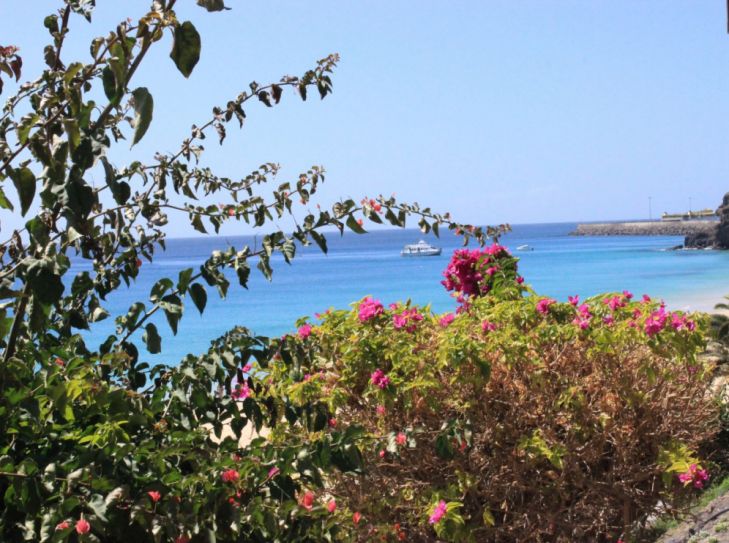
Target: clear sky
x,y
498,111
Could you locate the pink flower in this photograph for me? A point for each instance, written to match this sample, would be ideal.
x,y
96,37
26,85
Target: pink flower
x,y
408,319
230,476
332,423
247,368
332,505
401,438
241,392
519,280
379,379
628,295
82,526
356,517
380,410
492,270
304,331
446,319
273,472
369,308
64,525
584,311
574,300
488,326
608,320
438,513
646,298
543,305
615,302
381,454
656,322
694,475
581,322
307,500
154,496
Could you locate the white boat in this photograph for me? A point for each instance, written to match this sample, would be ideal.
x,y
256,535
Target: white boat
x,y
525,248
420,248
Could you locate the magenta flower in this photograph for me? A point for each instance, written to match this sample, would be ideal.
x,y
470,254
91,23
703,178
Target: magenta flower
x,y
646,298
519,280
543,305
446,319
408,320
247,368
273,472
608,320
574,300
628,295
369,308
492,270
304,331
694,475
581,322
656,322
615,302
438,513
488,326
584,311
379,379
241,392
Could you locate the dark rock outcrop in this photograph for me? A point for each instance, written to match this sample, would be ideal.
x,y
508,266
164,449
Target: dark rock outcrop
x,y
718,237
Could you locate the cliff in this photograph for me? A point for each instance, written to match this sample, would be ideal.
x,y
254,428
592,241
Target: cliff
x,y
646,228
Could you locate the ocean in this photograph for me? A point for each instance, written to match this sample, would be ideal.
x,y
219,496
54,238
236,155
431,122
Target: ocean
x,y
359,265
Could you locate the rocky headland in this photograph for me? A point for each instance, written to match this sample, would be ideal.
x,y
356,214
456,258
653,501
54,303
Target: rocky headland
x,y
717,237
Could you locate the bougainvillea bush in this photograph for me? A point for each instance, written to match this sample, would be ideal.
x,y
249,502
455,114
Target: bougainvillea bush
x,y
515,418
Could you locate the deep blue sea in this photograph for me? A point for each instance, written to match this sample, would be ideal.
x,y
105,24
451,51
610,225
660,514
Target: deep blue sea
x,y
360,265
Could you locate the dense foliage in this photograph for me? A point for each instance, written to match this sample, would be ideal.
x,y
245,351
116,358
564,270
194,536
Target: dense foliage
x,y
97,444
518,418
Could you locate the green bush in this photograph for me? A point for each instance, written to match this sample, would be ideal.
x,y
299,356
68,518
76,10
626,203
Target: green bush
x,y
517,419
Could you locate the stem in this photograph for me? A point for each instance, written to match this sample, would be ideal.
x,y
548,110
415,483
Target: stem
x,y
17,321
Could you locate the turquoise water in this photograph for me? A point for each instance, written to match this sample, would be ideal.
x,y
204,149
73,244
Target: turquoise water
x,y
356,266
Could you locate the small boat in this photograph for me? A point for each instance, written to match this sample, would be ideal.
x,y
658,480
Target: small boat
x,y
420,248
525,248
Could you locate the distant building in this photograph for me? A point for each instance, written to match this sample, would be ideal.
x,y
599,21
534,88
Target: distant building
x,y
703,214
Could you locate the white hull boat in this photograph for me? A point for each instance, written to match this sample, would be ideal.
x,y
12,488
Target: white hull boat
x,y
420,248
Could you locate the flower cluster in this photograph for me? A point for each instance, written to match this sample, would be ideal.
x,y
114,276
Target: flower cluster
x,y
241,392
694,476
543,305
304,331
407,319
471,273
369,308
379,379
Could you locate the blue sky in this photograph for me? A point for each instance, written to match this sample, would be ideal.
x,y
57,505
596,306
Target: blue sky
x,y
498,111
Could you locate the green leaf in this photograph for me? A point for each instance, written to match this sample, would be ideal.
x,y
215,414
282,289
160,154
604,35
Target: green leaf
x,y
186,48
4,202
24,182
199,296
354,226
143,108
172,306
111,87
152,339
212,5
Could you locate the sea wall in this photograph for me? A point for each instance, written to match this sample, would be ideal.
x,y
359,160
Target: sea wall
x,y
646,228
